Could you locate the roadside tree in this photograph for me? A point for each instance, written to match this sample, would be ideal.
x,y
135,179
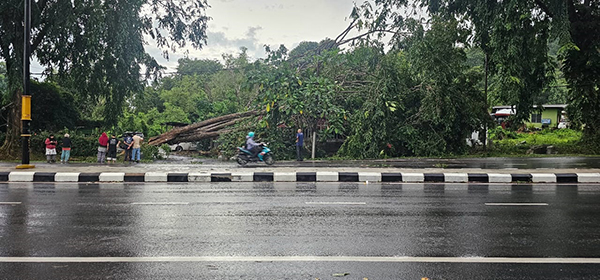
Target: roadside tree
x,y
96,46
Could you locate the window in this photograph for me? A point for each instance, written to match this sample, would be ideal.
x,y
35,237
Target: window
x,y
536,118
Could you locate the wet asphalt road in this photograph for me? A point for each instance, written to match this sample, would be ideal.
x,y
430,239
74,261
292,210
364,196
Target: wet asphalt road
x,y
240,220
185,162
469,163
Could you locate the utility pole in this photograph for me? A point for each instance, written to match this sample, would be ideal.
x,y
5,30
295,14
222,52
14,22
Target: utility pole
x,y
26,96
485,132
314,144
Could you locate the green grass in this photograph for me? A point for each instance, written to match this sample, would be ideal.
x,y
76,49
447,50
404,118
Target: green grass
x,y
509,143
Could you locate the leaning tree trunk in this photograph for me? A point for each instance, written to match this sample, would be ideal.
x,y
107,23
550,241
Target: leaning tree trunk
x,y
172,134
11,148
201,136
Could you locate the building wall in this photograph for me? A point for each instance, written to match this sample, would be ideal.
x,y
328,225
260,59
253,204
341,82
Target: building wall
x,y
550,113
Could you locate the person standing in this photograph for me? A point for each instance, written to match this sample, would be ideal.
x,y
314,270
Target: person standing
x,y
102,146
113,143
128,140
66,149
50,149
251,145
299,145
137,144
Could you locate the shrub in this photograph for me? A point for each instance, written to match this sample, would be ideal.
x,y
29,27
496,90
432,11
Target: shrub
x,y
566,141
166,149
150,152
281,141
498,133
228,142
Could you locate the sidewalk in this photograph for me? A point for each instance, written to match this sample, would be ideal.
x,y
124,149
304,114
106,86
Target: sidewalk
x,y
284,171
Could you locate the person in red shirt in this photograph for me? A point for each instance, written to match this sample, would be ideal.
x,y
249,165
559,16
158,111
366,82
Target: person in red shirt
x,y
51,149
102,145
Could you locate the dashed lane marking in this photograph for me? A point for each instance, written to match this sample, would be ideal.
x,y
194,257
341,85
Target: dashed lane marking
x,y
334,203
10,203
160,203
516,204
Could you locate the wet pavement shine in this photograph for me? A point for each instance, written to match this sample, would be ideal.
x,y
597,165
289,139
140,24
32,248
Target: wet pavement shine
x,y
299,231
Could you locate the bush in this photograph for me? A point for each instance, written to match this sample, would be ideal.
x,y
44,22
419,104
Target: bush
x,y
565,141
166,149
150,152
281,142
227,143
498,133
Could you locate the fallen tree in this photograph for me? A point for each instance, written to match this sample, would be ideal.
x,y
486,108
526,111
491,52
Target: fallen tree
x,y
206,129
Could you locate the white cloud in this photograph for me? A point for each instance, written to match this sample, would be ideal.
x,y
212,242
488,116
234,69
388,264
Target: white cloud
x,y
253,24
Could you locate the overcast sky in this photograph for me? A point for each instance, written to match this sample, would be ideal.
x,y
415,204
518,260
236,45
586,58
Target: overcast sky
x,y
255,23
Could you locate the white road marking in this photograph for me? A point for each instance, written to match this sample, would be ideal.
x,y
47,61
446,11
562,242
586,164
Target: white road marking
x,y
516,204
10,203
398,259
160,203
334,203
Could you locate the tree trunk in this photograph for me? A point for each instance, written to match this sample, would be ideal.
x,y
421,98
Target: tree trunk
x,y
210,128
11,147
171,135
201,136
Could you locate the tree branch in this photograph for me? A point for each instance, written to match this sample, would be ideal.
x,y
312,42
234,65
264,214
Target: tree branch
x,y
38,39
345,32
369,33
41,5
544,7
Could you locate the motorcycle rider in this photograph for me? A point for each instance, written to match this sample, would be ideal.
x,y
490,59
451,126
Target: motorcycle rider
x,y
252,146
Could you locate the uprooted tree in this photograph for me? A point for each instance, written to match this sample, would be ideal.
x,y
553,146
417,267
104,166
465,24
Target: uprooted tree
x,y
206,129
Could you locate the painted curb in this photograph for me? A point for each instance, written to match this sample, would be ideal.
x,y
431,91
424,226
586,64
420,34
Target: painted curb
x,y
161,177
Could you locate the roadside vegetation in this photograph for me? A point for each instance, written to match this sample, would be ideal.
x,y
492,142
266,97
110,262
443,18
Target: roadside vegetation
x,y
537,143
419,92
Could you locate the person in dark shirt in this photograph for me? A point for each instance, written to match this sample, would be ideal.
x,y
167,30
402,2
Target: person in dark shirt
x,y
128,140
66,149
113,143
299,145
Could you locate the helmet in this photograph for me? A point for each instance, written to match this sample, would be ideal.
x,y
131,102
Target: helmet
x,y
251,134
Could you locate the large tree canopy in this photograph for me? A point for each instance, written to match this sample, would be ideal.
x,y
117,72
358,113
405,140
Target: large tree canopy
x,y
96,46
514,36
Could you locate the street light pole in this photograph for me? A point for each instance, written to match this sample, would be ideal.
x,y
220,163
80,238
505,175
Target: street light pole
x,y
26,96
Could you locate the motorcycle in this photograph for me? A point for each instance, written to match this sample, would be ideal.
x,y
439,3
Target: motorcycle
x,y
245,156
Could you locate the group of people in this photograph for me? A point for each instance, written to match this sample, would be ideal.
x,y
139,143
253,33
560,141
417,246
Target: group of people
x,y
51,144
107,148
